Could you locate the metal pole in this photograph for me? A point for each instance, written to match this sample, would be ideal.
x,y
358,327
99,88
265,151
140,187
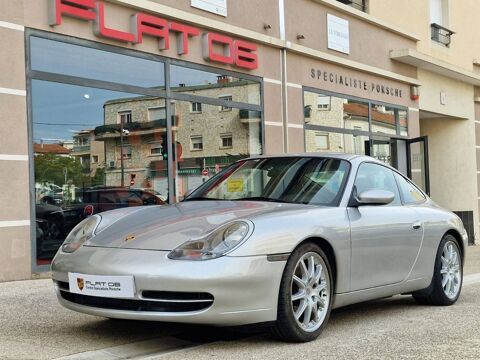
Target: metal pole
x,y
122,182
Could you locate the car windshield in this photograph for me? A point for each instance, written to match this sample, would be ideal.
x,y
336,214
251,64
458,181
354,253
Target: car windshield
x,y
301,180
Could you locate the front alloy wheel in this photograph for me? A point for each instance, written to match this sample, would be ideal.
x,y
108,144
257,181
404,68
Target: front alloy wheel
x,y
310,292
305,295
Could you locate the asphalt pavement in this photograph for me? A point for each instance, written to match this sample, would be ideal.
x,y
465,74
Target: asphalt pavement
x,y
34,326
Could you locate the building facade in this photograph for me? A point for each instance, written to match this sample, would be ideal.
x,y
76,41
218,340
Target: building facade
x,y
160,95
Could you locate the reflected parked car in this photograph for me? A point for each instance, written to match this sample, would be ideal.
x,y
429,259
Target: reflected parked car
x,y
279,240
50,228
99,199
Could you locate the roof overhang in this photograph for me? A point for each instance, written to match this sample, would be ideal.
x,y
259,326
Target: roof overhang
x,y
429,63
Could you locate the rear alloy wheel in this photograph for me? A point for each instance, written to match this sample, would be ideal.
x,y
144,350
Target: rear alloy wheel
x,y
448,275
305,297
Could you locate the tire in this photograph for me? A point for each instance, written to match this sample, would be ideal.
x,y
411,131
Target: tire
x,y
447,275
313,292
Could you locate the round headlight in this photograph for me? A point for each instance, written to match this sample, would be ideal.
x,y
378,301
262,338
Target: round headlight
x,y
216,244
85,230
235,233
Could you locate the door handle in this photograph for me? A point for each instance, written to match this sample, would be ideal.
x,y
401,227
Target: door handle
x,y
417,225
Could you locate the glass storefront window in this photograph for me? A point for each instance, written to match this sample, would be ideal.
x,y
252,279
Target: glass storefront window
x,y
337,112
214,85
84,62
321,141
78,148
99,149
384,119
206,144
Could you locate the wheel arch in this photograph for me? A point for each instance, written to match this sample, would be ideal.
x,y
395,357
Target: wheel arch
x,y
458,237
329,252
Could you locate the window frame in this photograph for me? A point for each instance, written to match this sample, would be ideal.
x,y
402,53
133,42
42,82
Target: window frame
x,y
125,157
226,136
228,98
156,108
327,136
192,144
121,113
156,145
192,107
328,106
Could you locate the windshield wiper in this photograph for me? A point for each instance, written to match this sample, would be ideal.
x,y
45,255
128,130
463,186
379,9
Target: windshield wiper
x,y
261,198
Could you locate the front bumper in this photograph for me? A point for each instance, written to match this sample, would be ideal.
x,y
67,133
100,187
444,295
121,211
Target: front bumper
x,y
245,289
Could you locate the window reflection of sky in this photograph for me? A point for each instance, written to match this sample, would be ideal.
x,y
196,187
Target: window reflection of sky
x,y
67,59
61,109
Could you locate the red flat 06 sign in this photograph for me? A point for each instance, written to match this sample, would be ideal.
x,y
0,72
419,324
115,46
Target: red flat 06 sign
x,y
216,47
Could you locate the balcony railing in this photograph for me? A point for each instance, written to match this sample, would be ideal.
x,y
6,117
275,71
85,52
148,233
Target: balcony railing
x,y
440,34
80,148
136,126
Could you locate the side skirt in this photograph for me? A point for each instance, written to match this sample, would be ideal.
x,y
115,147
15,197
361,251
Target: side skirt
x,y
404,287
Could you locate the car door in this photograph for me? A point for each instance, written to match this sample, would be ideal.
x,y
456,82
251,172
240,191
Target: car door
x,y
385,239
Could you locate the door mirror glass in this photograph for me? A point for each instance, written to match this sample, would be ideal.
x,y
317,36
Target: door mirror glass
x,y
375,197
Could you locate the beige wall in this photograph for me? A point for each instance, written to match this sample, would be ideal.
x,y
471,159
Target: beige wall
x,y
243,13
463,20
369,44
15,255
459,96
452,163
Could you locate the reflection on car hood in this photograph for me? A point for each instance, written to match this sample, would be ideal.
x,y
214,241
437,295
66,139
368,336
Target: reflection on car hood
x,y
167,227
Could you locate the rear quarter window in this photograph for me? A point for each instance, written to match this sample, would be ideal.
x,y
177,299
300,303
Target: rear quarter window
x,y
410,194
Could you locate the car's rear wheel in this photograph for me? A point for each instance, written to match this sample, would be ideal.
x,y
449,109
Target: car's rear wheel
x,y
305,297
447,277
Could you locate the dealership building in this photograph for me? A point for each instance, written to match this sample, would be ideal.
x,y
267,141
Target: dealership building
x,y
159,95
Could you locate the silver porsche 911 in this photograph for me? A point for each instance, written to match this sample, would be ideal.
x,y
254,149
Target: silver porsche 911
x,y
272,239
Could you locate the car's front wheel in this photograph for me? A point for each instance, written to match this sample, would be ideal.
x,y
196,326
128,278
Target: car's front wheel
x,y
305,297
447,277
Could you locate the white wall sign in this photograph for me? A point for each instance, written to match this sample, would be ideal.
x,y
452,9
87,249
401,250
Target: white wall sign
x,y
218,7
338,34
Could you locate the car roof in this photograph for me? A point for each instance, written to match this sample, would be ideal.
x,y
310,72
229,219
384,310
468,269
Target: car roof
x,y
342,156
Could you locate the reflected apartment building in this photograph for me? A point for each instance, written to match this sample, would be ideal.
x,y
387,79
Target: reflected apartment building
x,y
207,137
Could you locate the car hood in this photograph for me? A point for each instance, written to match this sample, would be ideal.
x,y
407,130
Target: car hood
x,y
167,227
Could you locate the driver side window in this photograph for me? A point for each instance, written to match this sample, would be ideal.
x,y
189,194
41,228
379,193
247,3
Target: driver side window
x,y
372,176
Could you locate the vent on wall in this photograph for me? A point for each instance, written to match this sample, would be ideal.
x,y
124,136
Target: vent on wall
x,y
467,219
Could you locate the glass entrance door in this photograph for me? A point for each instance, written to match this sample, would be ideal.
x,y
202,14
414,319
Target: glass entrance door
x,y
382,148
417,162
410,157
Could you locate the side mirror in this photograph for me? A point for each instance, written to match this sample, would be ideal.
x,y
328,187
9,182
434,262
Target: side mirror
x,y
375,197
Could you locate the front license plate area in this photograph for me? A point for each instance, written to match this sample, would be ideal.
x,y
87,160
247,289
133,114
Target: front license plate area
x,y
102,285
